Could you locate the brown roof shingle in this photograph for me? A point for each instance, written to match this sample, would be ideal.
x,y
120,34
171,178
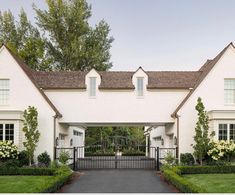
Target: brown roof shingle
x,y
172,79
117,80
60,79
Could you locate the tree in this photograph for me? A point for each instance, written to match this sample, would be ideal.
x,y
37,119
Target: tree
x,y
31,133
72,42
25,40
201,137
137,136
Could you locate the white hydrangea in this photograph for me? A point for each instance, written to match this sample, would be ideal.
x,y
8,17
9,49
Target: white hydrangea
x,y
8,150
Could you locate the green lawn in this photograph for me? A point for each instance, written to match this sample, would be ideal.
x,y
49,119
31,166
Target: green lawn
x,y
217,183
24,184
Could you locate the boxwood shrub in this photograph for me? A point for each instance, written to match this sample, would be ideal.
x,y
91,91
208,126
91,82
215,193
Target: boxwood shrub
x,y
205,169
26,171
187,159
174,176
62,175
181,183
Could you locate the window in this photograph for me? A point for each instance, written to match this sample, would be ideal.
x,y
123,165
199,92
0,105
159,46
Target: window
x,y
232,132
7,132
76,133
92,91
61,136
1,132
140,86
223,131
4,91
229,91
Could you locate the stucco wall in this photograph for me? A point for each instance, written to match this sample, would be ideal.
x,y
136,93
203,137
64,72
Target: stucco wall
x,y
116,106
23,94
211,90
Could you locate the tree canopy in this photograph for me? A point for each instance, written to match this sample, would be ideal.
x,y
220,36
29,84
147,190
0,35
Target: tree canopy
x,y
62,38
25,40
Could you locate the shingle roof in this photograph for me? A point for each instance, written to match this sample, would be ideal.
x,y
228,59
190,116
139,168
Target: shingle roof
x,y
172,79
60,79
116,79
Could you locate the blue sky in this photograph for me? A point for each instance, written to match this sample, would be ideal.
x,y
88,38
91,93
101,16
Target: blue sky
x,y
158,34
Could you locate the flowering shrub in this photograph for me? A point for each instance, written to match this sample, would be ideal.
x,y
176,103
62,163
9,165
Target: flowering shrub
x,y
221,150
8,150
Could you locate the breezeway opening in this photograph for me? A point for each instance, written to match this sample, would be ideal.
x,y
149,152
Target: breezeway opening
x,y
117,147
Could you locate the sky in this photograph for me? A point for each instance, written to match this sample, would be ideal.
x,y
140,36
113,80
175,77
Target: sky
x,y
157,34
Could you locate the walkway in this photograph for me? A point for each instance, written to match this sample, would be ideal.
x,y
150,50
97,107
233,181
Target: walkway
x,y
118,180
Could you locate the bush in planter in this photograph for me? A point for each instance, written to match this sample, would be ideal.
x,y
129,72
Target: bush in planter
x,y
64,157
8,150
187,159
23,158
44,159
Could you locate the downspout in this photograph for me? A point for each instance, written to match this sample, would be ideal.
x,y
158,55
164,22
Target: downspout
x,y
178,136
54,136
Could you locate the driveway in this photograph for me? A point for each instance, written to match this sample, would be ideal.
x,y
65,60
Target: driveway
x,y
100,181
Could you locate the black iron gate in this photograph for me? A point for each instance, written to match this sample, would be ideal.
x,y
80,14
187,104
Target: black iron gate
x,y
96,157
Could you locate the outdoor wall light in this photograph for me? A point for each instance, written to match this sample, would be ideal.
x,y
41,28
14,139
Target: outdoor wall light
x,y
175,140
162,140
71,142
57,141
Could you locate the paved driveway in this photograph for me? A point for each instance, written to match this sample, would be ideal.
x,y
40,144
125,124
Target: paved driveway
x,y
117,181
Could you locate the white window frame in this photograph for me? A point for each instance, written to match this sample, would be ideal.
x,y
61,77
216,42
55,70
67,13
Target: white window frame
x,y
228,130
140,87
4,130
92,87
4,92
229,91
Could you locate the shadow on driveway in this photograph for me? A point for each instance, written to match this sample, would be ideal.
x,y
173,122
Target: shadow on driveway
x,y
101,181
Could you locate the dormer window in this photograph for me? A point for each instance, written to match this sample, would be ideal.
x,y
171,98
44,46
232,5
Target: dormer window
x,y
92,82
140,86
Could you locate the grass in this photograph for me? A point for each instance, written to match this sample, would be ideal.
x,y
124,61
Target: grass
x,y
214,183
24,184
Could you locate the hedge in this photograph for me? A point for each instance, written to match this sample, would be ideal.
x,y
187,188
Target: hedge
x,y
26,171
181,183
59,180
173,175
204,169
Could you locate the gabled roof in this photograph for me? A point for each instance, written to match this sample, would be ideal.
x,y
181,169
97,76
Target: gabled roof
x,y
116,79
205,69
28,72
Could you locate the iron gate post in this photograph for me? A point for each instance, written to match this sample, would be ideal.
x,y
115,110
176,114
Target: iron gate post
x,y
74,158
158,163
116,160
55,153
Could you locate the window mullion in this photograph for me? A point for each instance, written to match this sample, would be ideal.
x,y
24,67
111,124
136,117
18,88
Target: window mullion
x,y
4,133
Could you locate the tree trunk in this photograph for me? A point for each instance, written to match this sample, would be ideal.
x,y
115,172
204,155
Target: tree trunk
x,y
200,161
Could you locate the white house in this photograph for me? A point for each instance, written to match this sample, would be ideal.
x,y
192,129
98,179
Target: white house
x,y
162,101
